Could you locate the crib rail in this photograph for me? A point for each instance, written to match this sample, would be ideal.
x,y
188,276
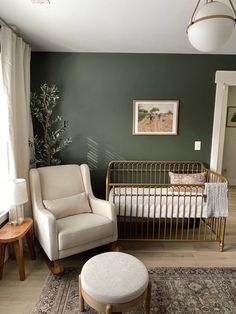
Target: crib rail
x,y
149,207
155,172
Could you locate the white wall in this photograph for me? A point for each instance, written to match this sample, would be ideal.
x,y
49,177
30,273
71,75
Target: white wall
x,y
229,157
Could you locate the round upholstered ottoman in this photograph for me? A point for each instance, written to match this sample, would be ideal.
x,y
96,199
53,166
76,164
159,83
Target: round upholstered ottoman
x,y
114,282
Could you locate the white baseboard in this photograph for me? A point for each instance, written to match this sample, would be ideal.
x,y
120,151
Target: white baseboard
x,y
232,181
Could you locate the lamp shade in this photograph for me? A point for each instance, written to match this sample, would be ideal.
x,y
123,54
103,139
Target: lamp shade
x,y
18,192
211,27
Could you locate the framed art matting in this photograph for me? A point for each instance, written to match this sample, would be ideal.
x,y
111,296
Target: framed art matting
x,y
231,117
155,117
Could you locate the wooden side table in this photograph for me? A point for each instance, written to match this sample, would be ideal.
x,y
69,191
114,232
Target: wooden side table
x,y
14,234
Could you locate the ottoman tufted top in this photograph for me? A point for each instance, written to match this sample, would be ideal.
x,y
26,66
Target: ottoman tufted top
x,y
114,277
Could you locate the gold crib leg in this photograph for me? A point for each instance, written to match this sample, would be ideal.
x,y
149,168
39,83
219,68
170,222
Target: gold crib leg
x,y
222,234
221,246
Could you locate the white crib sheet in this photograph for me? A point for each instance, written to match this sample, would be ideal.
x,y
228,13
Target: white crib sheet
x,y
169,204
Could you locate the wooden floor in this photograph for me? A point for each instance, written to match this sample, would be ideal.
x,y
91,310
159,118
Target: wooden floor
x,y
19,297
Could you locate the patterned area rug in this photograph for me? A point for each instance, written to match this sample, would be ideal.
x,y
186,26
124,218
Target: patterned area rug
x,y
174,290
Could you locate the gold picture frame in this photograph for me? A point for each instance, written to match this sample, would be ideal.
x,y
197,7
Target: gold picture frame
x,y
155,117
231,117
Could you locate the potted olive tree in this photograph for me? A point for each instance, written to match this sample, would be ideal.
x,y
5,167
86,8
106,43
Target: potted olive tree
x,y
49,138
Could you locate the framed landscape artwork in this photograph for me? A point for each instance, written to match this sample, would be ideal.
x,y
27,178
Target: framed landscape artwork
x,y
231,117
155,117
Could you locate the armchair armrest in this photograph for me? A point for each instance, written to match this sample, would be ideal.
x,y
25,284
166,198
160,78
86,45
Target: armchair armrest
x,y
45,224
105,208
44,221
102,207
99,207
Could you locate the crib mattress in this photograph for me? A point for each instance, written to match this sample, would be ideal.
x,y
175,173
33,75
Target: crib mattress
x,y
157,203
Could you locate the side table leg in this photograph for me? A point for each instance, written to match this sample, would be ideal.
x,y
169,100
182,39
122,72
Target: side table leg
x,y
18,247
2,257
30,241
11,251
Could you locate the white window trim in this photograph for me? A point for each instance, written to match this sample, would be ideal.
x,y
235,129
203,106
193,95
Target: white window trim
x,y
223,80
3,217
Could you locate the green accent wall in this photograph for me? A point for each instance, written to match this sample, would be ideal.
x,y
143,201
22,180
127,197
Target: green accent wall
x,y
97,92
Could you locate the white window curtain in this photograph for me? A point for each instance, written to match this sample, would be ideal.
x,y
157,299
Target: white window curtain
x,y
16,125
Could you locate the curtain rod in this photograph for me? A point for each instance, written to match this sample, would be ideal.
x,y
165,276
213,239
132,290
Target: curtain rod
x,y
4,23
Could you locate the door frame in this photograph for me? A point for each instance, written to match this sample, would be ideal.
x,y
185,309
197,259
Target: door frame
x,y
223,80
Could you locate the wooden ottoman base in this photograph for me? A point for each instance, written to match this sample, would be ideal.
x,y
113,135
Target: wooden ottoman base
x,y
115,307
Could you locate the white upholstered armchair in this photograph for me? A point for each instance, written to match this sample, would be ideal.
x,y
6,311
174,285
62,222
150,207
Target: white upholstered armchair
x,y
68,219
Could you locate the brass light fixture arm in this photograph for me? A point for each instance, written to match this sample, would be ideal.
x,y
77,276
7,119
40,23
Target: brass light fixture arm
x,y
194,12
213,16
233,8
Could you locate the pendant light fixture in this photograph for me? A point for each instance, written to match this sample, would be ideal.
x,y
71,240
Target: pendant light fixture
x,y
211,25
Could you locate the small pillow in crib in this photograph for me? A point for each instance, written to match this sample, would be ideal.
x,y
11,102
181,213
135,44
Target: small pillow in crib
x,y
68,206
187,179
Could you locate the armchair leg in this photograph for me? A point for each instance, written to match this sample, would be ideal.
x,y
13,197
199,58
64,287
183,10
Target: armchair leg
x,y
55,267
114,247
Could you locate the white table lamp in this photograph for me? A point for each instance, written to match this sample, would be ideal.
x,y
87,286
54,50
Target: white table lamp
x,y
18,197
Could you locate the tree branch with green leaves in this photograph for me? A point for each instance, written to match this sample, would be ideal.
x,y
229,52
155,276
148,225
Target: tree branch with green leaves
x,y
50,137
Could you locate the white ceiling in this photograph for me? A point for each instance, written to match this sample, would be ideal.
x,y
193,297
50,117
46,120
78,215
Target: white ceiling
x,y
141,26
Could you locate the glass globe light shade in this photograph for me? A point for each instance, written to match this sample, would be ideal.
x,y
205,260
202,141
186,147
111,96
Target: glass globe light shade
x,y
208,30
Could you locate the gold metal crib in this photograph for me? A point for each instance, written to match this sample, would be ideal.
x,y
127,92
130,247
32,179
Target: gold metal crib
x,y
150,208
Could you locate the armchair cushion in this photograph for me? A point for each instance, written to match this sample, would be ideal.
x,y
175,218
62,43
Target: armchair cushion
x,y
60,181
68,206
82,229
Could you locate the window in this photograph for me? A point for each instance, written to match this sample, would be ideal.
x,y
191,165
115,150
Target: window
x,y
4,139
